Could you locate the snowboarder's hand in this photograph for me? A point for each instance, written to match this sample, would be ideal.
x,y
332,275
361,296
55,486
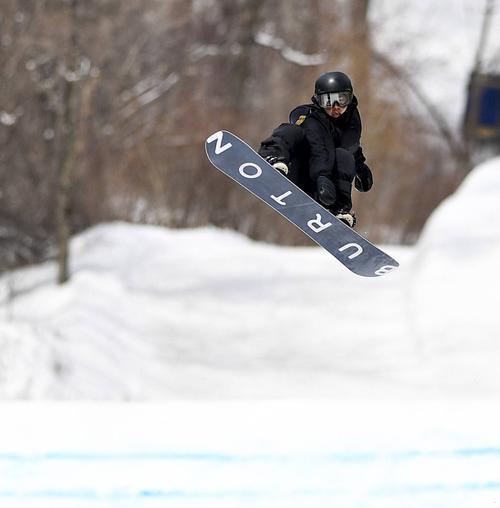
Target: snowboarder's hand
x,y
326,191
278,163
364,178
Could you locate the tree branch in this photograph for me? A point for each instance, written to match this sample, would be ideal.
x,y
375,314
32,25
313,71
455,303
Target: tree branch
x,y
456,147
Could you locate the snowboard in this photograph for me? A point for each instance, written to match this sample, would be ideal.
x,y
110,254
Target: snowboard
x,y
239,161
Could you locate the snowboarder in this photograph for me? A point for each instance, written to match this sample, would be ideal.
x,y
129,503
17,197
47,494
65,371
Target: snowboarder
x,y
319,149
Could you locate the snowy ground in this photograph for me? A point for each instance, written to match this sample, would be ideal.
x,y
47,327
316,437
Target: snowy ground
x,y
381,392
152,313
250,454
155,314
301,384
202,313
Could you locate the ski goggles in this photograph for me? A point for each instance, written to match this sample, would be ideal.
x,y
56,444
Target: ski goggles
x,y
328,100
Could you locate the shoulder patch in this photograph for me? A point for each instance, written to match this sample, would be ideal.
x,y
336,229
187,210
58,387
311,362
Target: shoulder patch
x,y
301,119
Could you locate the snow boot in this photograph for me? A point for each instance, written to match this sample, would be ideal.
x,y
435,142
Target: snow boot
x,y
346,216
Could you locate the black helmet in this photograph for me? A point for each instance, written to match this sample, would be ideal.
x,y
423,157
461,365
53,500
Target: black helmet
x,y
332,87
332,82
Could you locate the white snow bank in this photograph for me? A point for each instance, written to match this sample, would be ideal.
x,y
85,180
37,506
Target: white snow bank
x,y
155,313
152,313
456,277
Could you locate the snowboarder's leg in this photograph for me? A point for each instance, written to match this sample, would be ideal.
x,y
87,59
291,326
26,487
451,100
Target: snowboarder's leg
x,y
286,144
343,176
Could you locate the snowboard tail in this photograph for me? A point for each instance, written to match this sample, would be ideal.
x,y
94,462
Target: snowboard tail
x,y
236,159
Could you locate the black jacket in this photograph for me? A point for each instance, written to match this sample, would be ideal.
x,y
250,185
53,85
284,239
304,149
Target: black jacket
x,y
324,134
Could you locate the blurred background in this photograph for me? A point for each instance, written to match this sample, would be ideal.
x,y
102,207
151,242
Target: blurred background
x,y
256,370
104,106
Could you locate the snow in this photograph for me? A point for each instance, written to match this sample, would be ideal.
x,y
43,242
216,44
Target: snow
x,y
456,281
239,454
7,119
288,53
191,313
207,313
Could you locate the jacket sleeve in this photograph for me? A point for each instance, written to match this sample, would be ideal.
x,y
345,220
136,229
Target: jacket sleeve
x,y
321,149
359,157
351,139
364,178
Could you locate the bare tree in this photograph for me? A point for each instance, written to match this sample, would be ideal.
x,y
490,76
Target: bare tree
x,y
105,117
69,112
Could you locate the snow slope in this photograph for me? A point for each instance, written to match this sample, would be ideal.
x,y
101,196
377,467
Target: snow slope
x,y
456,276
152,313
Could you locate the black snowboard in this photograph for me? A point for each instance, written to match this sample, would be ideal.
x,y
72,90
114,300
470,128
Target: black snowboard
x,y
239,161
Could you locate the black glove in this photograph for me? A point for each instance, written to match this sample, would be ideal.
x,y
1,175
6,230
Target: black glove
x,y
364,178
327,194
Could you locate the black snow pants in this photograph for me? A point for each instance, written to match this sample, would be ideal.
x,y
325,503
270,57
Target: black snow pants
x,y
289,142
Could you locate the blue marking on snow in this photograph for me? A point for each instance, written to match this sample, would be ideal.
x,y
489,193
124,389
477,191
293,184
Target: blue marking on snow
x,y
122,495
15,463
223,457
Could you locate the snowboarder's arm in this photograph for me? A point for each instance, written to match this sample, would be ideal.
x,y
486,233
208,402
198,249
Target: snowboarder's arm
x,y
351,139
